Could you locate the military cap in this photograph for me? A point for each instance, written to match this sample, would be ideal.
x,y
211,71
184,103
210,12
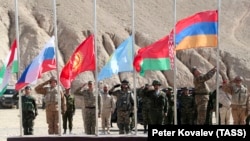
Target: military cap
x,y
156,82
52,78
238,78
185,88
125,81
90,82
170,89
27,88
194,68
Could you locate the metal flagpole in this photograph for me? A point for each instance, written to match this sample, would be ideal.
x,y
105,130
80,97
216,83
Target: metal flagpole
x,y
218,65
175,89
56,48
18,58
133,48
96,98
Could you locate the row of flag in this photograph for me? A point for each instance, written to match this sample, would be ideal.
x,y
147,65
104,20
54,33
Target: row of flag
x,y
198,30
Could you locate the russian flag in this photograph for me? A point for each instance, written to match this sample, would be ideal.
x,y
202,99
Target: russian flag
x,y
44,62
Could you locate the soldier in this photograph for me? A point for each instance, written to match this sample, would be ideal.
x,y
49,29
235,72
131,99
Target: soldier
x,y
108,107
29,111
124,105
89,98
169,119
224,105
51,103
240,101
202,93
145,106
70,112
187,105
158,104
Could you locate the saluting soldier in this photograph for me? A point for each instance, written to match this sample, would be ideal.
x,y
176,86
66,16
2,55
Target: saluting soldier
x,y
51,103
124,105
89,97
202,92
158,104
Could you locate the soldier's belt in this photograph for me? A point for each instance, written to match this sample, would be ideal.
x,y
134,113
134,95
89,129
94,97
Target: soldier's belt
x,y
90,107
201,93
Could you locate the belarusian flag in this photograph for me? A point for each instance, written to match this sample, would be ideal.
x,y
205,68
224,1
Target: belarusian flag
x,y
10,66
157,56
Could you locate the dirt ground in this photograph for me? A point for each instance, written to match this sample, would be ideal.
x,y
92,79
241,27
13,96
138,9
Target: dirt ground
x,y
10,124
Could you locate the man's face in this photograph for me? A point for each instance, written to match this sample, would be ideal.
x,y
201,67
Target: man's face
x,y
124,85
53,83
105,89
27,91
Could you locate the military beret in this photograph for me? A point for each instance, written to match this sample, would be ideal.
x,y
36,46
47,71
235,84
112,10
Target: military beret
x,y
125,81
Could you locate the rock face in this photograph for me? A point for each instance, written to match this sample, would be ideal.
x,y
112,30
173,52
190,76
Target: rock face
x,y
152,20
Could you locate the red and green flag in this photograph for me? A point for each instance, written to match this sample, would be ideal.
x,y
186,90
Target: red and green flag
x,y
157,56
10,66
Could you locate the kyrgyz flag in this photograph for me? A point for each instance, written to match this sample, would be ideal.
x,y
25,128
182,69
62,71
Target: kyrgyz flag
x,y
157,56
83,59
10,66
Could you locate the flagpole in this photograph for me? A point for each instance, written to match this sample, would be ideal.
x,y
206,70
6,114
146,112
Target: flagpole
x,y
218,65
18,55
56,48
97,90
175,89
134,79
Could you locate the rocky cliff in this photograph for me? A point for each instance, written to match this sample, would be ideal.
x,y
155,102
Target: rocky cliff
x,y
153,20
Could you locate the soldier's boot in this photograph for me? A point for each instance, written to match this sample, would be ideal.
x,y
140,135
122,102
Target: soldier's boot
x,y
64,131
108,131
145,129
25,131
70,131
103,130
30,132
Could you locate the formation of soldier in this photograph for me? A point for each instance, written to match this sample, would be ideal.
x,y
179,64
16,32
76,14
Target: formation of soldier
x,y
194,106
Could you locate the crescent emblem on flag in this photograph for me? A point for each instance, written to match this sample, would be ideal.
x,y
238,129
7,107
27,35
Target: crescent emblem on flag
x,y
78,59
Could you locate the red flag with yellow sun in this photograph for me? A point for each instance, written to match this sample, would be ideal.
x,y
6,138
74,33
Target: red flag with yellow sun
x,y
83,59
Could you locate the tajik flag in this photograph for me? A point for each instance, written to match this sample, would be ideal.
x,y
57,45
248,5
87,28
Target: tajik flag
x,y
10,66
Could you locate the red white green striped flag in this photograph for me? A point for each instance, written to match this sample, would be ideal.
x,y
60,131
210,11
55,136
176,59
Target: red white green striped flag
x,y
157,56
10,66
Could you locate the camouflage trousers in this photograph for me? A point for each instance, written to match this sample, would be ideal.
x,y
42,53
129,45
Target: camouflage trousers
x,y
53,121
145,116
156,116
201,102
123,121
187,117
169,119
90,121
28,124
239,114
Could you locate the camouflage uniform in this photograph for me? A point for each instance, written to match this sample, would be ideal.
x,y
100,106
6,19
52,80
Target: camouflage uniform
x,y
29,112
124,105
240,102
51,104
89,98
187,105
145,108
202,93
158,104
169,119
68,115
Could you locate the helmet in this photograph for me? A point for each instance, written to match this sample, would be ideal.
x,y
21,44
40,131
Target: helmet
x,y
125,81
170,89
156,82
238,78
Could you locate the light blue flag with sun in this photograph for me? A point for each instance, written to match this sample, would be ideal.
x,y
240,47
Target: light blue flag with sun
x,y
120,61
